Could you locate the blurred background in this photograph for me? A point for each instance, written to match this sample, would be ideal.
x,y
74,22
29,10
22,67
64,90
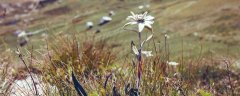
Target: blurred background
x,y
211,26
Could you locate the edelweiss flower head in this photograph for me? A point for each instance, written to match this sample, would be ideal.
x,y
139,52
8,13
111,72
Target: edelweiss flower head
x,y
111,13
140,7
166,36
142,20
172,63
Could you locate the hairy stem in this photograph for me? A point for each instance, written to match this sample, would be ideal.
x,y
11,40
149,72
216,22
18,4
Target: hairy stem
x,y
139,60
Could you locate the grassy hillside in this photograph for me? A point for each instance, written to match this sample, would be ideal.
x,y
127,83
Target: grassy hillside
x,y
180,19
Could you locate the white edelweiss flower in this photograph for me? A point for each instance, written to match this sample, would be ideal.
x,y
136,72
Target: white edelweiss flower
x,y
172,63
140,7
147,53
142,20
166,36
195,34
111,13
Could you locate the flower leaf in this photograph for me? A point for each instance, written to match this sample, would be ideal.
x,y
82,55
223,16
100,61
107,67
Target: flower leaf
x,y
78,86
149,37
140,27
134,48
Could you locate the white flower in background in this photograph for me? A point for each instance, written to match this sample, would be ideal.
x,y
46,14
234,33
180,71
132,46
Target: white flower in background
x,y
111,13
195,34
147,53
172,63
142,20
237,63
166,36
140,7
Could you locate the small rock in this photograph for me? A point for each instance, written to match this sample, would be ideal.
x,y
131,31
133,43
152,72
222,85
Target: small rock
x,y
89,25
104,20
26,86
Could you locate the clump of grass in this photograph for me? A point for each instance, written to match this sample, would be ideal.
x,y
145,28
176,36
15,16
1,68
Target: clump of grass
x,y
88,60
5,71
158,78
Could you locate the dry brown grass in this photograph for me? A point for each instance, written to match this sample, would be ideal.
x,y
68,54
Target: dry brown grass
x,y
95,67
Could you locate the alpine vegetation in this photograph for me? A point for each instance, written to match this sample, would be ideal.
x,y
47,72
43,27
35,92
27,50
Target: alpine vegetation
x,y
142,21
94,48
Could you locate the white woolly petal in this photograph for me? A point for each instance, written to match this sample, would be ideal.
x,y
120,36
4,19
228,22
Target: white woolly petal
x,y
141,27
145,14
149,17
149,37
147,53
148,25
132,13
130,23
143,42
149,22
130,17
172,63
